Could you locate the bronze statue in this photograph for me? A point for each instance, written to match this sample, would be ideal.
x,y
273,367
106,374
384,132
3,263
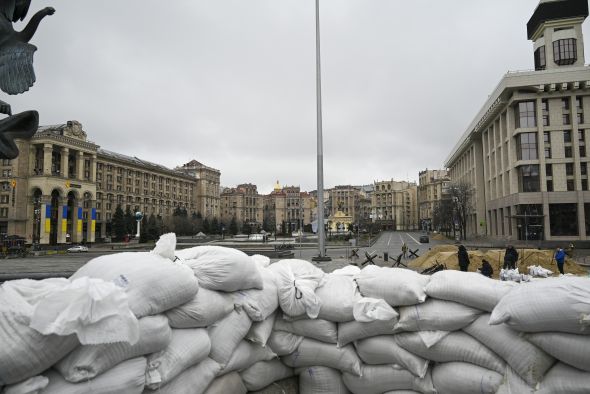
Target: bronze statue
x,y
16,71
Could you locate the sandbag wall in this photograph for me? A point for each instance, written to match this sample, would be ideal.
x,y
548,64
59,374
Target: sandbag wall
x,y
218,321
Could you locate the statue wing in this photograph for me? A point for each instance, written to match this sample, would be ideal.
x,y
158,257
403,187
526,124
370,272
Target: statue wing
x,y
20,9
16,67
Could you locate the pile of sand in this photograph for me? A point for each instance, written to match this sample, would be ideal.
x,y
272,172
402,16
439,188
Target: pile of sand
x,y
438,237
447,255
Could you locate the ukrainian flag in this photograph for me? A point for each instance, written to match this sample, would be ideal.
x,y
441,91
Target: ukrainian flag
x,y
93,220
47,218
64,220
79,220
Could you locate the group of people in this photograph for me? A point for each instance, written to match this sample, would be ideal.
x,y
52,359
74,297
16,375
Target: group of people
x,y
510,259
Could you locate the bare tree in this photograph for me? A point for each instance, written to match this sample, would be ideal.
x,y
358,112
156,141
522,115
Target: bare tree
x,y
461,196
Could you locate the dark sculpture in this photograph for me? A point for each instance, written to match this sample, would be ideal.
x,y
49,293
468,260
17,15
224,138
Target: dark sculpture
x,y
16,71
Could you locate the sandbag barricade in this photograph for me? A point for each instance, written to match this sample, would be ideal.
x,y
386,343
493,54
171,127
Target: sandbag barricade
x,y
250,324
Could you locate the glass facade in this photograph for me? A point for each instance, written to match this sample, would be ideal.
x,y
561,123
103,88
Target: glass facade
x,y
526,146
563,219
540,61
528,179
564,51
525,114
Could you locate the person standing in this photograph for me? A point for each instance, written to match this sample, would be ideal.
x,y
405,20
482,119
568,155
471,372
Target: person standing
x,y
463,257
560,259
404,250
486,268
510,258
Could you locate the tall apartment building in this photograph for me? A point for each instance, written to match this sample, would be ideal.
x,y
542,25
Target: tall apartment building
x,y
395,205
245,205
432,187
65,188
207,188
290,206
525,152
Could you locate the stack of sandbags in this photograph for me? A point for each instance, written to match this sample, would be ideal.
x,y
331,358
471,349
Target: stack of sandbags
x,y
214,320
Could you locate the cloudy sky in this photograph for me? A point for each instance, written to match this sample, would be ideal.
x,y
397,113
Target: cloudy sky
x,y
231,83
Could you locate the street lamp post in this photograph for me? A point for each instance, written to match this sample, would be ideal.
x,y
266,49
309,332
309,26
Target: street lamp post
x,y
320,160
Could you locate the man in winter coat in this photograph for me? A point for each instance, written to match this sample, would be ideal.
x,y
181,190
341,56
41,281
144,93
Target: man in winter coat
x,y
463,258
486,269
510,258
560,259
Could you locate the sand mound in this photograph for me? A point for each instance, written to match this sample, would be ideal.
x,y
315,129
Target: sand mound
x,y
447,255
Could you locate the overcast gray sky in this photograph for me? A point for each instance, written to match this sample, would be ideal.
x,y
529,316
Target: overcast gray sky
x,y
231,83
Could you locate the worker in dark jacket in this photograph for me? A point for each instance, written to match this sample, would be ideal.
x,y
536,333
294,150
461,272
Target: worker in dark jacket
x,y
560,259
463,258
486,269
510,258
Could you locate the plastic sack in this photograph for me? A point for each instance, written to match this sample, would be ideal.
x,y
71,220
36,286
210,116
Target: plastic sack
x,y
571,349
377,379
514,384
367,309
469,288
165,246
34,385
436,315
464,378
221,268
320,380
349,270
260,331
259,304
513,275
456,346
127,377
311,352
554,304
206,307
564,379
384,349
319,329
431,338
89,361
226,334
264,373
527,360
297,281
95,310
538,271
230,383
246,355
337,298
284,343
153,284
354,330
193,380
186,348
260,260
397,286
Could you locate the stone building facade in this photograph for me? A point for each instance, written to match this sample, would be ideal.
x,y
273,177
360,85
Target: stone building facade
x,y
245,205
395,205
432,188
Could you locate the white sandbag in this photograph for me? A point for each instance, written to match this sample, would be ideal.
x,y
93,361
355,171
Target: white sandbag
x,y
397,286
205,308
259,304
351,331
283,342
526,359
311,352
153,284
349,270
383,349
95,310
538,271
456,346
193,380
246,355
297,281
264,373
514,276
230,383
469,288
34,385
322,330
514,384
221,268
402,392
261,330
89,361
187,347
337,297
127,377
556,304
571,349
565,379
24,352
377,379
367,309
226,334
321,380
431,338
166,246
261,260
436,315
464,378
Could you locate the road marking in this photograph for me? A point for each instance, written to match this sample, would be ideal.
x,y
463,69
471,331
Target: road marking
x,y
389,240
413,238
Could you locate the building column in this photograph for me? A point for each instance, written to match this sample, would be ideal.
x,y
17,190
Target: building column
x,y
77,223
91,223
45,222
546,221
62,223
93,168
65,152
80,165
581,217
32,154
47,151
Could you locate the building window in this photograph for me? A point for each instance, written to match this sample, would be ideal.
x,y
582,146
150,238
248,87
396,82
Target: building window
x,y
540,62
563,219
582,151
584,168
567,136
4,198
569,169
526,145
3,212
568,151
548,152
548,170
570,185
545,109
584,184
525,116
549,185
564,51
529,178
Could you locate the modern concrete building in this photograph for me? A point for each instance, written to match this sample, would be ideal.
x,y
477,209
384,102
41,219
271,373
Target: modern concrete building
x,y
394,205
64,188
525,152
432,188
